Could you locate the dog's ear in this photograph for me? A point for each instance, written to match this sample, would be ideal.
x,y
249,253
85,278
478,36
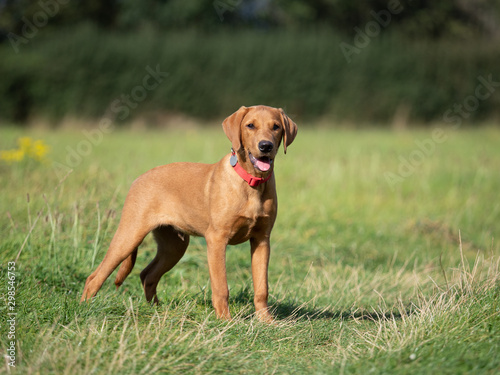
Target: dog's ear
x,y
232,127
289,129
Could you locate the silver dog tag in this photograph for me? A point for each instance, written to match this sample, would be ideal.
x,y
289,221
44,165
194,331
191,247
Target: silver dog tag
x,y
233,160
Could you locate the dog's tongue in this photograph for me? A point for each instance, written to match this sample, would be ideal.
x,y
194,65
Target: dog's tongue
x,y
262,165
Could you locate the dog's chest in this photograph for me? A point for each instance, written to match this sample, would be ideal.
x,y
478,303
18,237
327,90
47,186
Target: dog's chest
x,y
254,216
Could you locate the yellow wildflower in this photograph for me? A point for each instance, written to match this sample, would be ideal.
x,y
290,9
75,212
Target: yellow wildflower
x,y
25,144
35,150
39,150
11,156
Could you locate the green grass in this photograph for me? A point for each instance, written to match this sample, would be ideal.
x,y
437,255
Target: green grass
x,y
365,277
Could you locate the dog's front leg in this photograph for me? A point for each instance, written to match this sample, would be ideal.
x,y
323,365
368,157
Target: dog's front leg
x,y
216,252
260,261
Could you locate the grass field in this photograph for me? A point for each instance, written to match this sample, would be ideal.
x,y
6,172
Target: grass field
x,y
371,272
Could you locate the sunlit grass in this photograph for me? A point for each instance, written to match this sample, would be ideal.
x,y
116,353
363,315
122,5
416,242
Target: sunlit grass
x,y
364,276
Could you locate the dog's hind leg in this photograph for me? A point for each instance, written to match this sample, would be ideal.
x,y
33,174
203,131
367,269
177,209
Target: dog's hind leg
x,y
172,245
125,242
125,268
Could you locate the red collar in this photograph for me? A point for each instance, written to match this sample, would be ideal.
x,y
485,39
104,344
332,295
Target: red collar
x,y
251,180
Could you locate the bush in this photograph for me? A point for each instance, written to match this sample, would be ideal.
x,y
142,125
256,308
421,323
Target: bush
x,y
86,72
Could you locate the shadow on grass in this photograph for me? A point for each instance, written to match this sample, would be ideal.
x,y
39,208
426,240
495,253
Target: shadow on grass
x,y
294,310
242,301
287,310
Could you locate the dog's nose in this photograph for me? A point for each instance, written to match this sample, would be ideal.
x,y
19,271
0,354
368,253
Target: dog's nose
x,y
266,146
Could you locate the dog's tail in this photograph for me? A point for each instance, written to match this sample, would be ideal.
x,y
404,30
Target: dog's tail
x,y
126,268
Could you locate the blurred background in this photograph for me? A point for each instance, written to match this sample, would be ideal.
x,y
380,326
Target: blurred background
x,y
384,63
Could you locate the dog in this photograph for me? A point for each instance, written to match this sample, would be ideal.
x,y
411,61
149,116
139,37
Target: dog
x,y
228,203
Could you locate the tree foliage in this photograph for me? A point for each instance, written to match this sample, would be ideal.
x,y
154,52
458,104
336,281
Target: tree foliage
x,y
420,18
368,61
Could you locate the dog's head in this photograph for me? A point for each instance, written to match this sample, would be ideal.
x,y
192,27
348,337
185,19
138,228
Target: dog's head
x,y
256,133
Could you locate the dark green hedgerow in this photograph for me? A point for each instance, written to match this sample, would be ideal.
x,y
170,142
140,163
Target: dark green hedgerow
x,y
85,72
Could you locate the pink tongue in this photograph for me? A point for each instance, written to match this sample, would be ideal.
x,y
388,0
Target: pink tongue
x,y
262,165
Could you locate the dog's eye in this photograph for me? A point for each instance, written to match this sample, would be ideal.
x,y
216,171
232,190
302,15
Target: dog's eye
x,y
251,126
276,127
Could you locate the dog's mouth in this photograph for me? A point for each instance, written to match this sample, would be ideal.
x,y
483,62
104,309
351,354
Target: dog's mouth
x,y
263,163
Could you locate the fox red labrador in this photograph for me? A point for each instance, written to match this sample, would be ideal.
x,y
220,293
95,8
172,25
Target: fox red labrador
x,y
229,202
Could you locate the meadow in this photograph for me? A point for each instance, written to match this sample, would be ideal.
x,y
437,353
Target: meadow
x,y
385,258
